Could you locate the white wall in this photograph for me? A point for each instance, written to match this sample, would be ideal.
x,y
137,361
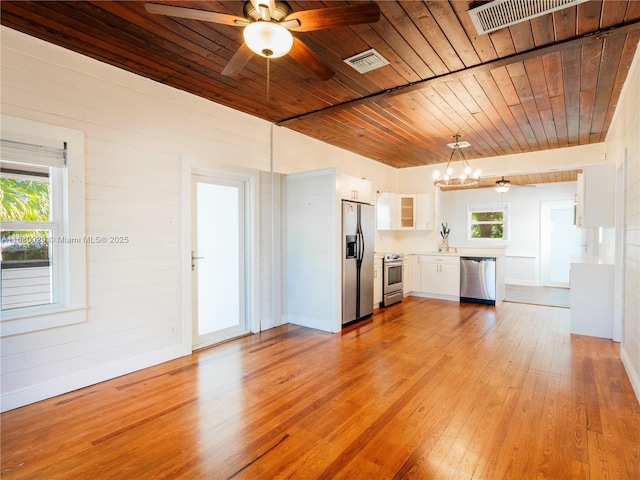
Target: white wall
x,y
136,132
294,153
624,136
420,180
523,247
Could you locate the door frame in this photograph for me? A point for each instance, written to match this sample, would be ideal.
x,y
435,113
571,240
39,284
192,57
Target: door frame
x,y
194,166
620,250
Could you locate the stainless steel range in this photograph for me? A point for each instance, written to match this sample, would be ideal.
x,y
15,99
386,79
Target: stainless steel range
x,y
392,287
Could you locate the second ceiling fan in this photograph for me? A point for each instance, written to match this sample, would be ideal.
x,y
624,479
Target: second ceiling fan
x,y
268,25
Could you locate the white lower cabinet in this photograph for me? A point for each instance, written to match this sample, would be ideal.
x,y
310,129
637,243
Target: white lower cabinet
x,y
377,282
440,276
407,275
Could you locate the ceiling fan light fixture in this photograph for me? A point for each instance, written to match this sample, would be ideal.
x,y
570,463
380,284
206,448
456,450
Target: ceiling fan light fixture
x,y
503,186
268,39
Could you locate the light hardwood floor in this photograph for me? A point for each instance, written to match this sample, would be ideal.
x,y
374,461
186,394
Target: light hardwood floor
x,y
427,389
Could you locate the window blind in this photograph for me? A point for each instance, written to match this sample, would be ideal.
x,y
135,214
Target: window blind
x,y
26,153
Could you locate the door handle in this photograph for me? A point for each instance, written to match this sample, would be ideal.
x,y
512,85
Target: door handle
x,y
193,263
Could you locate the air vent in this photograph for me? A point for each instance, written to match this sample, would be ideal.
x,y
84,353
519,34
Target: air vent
x,y
502,13
367,61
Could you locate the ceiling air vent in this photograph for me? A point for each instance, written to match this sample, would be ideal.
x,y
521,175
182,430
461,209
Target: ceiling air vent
x,y
367,61
502,13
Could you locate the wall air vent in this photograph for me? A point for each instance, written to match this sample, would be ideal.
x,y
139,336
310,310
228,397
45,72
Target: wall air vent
x,y
367,61
502,13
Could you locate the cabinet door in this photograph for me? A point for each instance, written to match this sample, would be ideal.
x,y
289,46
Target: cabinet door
x,y
450,279
407,212
349,188
364,189
598,202
429,278
425,213
415,273
388,211
407,275
356,189
377,282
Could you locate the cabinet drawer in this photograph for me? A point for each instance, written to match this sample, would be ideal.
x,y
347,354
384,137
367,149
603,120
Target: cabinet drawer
x,y
441,259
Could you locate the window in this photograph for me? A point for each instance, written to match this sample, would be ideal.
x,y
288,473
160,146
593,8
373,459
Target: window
x,y
487,222
42,214
31,219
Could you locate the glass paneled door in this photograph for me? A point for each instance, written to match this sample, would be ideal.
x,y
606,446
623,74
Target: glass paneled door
x,y
560,240
218,260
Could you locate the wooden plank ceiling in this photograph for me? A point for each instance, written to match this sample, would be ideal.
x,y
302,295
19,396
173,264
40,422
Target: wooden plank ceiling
x,y
526,179
545,83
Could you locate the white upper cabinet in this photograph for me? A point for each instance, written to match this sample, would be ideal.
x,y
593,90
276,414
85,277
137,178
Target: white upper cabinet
x,y
401,211
387,211
356,189
395,211
425,212
595,197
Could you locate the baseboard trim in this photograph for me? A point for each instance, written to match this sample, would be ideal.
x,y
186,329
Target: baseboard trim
x,y
521,283
43,391
634,375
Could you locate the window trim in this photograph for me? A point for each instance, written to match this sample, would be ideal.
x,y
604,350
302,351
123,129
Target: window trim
x,y
72,302
489,207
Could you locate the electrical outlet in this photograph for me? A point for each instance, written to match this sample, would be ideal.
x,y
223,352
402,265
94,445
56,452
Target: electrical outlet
x,y
171,243
173,330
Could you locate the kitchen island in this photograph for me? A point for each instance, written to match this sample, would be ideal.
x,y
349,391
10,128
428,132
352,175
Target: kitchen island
x,y
592,296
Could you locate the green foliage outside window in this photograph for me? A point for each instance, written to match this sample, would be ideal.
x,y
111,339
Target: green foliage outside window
x,y
487,224
24,201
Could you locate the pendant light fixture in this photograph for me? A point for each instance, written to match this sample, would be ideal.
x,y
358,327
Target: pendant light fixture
x,y
462,177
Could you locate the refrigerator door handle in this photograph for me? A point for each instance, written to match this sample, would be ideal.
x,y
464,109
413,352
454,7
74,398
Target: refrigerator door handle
x,y
360,254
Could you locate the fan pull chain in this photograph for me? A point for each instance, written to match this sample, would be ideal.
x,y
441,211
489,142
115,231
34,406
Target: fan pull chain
x,y
268,78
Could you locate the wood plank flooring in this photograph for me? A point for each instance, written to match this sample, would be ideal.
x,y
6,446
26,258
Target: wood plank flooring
x,y
426,389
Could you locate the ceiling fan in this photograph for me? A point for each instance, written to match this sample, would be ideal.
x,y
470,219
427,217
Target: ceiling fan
x,y
268,25
504,185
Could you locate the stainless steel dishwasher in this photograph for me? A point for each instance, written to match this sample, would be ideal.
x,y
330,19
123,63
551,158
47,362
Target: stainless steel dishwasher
x,y
478,280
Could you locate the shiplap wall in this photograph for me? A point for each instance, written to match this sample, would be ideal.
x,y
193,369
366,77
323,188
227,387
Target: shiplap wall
x,y
624,134
313,252
136,131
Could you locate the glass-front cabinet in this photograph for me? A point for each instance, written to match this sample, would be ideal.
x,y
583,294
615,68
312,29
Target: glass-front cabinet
x,y
402,211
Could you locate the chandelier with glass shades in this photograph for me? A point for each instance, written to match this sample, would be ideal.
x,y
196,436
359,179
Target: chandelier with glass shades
x,y
460,178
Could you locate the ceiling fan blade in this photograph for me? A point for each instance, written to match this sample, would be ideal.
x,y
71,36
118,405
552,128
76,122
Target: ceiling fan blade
x,y
334,17
239,60
304,55
194,14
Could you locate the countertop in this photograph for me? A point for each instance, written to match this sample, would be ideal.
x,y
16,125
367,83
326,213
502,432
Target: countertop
x,y
467,252
490,252
593,260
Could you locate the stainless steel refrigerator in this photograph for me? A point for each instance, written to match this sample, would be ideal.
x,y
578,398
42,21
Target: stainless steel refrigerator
x,y
358,229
